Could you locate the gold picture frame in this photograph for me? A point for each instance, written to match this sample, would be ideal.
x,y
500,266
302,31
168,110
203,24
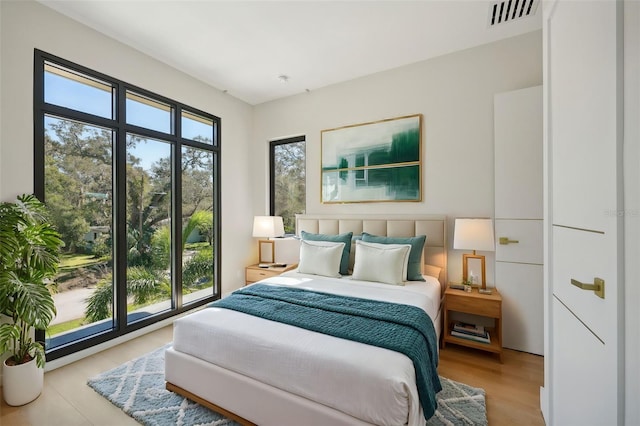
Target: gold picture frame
x,y
266,251
465,268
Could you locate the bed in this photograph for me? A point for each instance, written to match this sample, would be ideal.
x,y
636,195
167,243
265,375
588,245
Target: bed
x,y
258,371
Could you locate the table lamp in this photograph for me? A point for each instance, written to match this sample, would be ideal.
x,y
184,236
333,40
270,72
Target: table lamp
x,y
267,227
473,234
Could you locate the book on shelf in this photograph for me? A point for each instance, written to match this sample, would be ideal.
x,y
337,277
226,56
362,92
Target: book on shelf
x,y
484,335
464,327
481,339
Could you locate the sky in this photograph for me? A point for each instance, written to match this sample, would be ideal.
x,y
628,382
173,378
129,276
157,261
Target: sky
x,y
96,98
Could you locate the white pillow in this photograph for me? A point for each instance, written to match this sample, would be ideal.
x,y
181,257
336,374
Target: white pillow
x,y
384,263
320,258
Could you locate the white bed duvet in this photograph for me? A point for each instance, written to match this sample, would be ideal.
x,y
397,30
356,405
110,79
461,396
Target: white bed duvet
x,y
373,384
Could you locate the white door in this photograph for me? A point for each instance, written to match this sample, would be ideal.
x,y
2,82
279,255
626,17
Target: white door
x,y
518,213
583,118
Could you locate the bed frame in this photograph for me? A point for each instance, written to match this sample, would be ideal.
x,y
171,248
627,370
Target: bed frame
x,y
248,401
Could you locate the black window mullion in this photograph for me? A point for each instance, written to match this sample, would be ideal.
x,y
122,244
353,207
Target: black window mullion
x,y
71,114
196,144
176,202
217,208
38,148
38,129
272,178
148,133
120,227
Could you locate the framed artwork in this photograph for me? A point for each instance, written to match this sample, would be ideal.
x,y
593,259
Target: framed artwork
x,y
379,161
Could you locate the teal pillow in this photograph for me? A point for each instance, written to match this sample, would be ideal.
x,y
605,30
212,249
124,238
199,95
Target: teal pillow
x,y
414,267
340,238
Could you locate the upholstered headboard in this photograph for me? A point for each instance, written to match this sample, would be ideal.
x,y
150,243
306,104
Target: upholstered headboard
x,y
434,227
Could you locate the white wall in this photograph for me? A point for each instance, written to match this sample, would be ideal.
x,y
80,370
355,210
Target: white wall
x,y
27,25
455,95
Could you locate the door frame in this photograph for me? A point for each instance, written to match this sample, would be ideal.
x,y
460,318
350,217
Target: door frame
x,y
632,208
629,212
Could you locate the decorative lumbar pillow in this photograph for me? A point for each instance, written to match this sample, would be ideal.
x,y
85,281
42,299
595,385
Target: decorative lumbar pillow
x,y
384,263
340,238
414,268
320,258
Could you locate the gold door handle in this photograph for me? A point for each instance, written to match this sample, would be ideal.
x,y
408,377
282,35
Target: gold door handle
x,y
506,240
597,286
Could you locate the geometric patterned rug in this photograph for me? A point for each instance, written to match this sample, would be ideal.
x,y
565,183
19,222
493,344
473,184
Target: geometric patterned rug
x,y
138,388
459,404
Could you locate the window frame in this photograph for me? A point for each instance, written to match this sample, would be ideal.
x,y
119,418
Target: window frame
x,y
120,128
272,169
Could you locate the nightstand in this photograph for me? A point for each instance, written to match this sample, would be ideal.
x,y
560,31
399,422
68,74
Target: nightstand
x,y
486,305
255,273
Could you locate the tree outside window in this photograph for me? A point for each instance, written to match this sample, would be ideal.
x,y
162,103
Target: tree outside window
x,y
288,180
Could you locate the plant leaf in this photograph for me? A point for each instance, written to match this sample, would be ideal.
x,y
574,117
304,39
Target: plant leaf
x,y
8,333
34,304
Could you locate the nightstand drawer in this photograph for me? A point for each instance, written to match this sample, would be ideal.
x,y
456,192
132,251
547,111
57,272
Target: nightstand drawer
x,y
471,305
254,275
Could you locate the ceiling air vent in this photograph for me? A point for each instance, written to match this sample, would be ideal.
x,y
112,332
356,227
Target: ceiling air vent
x,y
510,10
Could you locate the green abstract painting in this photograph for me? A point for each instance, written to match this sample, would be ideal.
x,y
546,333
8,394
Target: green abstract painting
x,y
373,162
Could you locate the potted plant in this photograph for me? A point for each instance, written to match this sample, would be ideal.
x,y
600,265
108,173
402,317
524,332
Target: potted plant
x,y
467,283
29,258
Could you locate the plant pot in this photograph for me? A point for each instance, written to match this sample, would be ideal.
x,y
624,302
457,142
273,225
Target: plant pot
x,y
22,383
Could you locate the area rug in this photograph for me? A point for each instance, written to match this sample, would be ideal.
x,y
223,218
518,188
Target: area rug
x,y
138,388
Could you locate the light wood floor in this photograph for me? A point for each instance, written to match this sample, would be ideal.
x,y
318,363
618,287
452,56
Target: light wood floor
x,y
512,387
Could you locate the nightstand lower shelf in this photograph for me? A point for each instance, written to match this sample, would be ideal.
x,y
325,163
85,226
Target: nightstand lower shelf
x,y
493,346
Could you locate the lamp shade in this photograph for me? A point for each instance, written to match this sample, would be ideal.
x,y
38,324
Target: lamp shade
x,y
473,234
268,226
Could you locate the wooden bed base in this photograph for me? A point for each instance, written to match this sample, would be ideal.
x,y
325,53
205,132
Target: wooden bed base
x,y
193,397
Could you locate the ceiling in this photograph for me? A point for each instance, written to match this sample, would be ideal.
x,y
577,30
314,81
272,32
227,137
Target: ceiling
x,y
242,47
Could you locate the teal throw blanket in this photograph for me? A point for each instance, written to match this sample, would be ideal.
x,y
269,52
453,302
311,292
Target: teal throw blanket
x,y
401,328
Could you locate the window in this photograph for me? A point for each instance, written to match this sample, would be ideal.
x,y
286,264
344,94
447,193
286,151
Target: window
x,y
288,180
146,112
197,128
132,183
91,95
